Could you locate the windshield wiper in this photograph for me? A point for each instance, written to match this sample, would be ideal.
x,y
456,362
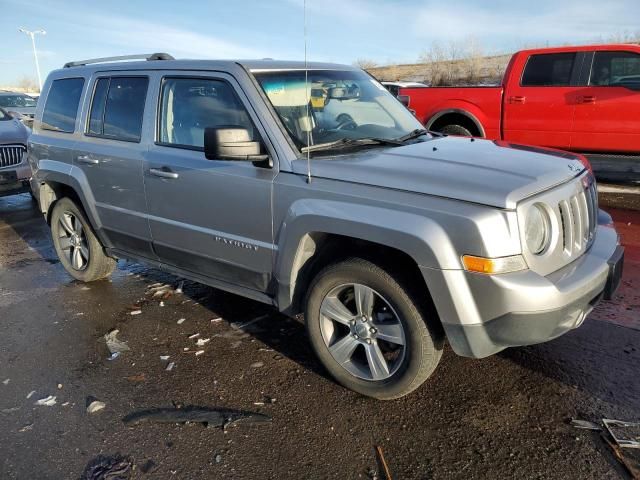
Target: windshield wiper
x,y
418,132
350,142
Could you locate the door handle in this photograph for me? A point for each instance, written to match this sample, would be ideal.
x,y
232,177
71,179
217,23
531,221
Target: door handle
x,y
587,99
517,99
163,173
87,159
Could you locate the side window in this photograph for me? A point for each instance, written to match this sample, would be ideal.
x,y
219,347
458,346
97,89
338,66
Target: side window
x,y
548,70
61,109
615,69
117,108
189,105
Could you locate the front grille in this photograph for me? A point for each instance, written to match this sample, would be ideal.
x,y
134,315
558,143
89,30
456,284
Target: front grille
x,y
11,155
578,217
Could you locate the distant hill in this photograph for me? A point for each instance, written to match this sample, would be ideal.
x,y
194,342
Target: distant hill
x,y
481,70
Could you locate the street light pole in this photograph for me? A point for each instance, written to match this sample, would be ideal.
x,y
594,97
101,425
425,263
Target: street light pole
x,y
32,35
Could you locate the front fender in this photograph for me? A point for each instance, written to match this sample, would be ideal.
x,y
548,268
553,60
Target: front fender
x,y
410,233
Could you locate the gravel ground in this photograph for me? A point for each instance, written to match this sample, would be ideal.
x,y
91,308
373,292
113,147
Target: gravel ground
x,y
501,417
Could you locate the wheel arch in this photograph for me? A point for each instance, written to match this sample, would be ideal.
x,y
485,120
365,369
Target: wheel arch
x,y
456,116
311,241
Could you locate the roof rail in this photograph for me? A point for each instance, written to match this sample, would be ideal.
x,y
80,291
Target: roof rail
x,y
140,56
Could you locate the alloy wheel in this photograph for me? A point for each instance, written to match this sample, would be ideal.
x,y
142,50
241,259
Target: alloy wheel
x,y
362,332
73,241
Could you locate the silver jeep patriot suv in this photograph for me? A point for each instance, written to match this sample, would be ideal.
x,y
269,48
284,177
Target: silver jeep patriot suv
x,y
309,187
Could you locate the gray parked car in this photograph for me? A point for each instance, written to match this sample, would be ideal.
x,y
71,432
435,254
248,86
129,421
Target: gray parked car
x,y
389,239
19,105
15,172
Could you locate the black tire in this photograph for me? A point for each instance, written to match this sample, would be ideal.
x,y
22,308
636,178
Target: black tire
x,y
456,130
98,265
423,345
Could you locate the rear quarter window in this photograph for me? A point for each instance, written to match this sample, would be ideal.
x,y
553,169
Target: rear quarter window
x,y
61,107
548,70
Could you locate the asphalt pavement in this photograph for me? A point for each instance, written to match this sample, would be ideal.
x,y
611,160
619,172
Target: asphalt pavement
x,y
505,416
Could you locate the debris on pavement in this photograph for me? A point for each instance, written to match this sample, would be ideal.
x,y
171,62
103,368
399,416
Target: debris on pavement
x,y
105,467
164,358
632,468
115,345
181,321
199,352
211,417
257,364
6,382
96,406
584,424
170,366
202,342
137,378
135,312
194,335
180,287
113,356
216,320
49,401
217,458
382,463
625,434
26,428
7,411
31,394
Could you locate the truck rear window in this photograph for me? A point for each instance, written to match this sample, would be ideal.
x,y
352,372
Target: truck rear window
x,y
548,70
61,109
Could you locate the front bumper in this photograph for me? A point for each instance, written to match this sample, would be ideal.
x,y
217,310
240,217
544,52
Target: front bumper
x,y
14,180
484,314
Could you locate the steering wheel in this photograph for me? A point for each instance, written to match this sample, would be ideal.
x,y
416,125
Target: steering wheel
x,y
345,122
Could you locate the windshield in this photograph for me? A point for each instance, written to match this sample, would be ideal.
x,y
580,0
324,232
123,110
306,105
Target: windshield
x,y
335,105
16,101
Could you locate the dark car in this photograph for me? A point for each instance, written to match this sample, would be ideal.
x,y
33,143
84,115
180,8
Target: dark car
x,y
15,172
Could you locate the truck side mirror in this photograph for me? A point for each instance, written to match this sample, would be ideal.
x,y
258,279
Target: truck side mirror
x,y
231,143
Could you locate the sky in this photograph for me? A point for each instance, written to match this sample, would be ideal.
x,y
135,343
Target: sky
x,y
385,31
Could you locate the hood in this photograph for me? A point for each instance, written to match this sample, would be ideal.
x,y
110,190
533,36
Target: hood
x,y
13,131
488,172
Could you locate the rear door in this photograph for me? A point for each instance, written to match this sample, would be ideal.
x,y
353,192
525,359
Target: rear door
x,y
110,154
607,117
539,106
210,217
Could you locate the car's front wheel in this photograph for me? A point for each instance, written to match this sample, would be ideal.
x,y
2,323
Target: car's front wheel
x,y
77,246
368,332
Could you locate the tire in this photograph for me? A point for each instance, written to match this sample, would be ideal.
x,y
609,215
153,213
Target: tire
x,y
456,130
82,255
408,365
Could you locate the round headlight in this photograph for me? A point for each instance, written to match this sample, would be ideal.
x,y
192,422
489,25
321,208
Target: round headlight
x,y
536,229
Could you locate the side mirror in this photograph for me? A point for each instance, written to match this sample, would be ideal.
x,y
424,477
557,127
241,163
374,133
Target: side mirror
x,y
231,143
404,100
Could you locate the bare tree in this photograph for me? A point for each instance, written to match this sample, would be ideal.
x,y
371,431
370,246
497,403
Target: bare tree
x,y
28,84
365,63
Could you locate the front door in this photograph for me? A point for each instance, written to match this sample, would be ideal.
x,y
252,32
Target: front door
x,y
538,107
110,154
607,117
210,217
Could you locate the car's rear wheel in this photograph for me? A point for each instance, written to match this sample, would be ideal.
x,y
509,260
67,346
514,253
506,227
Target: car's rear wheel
x,y
456,130
77,246
368,332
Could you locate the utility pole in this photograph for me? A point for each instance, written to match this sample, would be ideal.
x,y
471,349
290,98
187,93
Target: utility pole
x,y
32,35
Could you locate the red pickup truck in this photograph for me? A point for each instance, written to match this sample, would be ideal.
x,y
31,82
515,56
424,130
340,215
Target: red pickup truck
x,y
584,99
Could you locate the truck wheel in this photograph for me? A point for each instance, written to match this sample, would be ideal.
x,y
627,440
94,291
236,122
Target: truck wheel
x,y
78,248
368,332
456,130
